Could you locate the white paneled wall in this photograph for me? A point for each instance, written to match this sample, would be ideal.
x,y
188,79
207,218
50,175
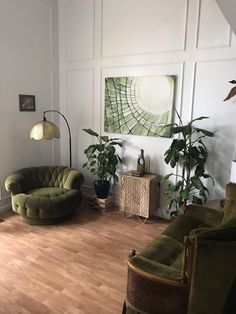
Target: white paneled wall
x,y
187,38
131,27
228,8
28,65
80,25
211,21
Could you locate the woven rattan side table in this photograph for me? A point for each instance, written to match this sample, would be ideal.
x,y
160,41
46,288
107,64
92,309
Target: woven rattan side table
x,y
139,195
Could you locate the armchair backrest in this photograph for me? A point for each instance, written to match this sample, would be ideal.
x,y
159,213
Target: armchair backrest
x,y
230,203
36,177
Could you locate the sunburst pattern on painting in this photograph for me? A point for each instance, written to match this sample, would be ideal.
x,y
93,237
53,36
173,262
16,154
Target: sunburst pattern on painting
x,y
139,105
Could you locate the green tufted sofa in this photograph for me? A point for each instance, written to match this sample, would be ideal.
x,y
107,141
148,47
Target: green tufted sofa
x,y
46,194
190,268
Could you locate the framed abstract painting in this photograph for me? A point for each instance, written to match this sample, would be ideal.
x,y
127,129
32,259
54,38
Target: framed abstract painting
x,y
139,105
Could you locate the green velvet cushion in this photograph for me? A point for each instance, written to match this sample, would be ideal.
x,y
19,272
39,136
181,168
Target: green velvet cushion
x,y
156,268
163,250
46,202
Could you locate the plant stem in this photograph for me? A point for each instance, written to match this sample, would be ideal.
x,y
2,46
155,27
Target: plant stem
x,y
178,115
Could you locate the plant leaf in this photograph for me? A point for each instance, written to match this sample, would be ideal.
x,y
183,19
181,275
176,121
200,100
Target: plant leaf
x,y
197,183
205,132
197,200
166,177
104,138
199,118
185,130
91,132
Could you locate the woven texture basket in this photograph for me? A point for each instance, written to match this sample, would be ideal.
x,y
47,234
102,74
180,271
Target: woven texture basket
x,y
156,297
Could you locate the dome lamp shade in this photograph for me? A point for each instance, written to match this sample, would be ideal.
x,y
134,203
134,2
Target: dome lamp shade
x,y
44,130
48,130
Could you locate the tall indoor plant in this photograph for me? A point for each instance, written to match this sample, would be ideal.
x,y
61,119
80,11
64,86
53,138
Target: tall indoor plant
x,y
190,153
102,161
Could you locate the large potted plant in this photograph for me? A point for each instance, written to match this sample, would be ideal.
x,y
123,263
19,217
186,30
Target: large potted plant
x,y
190,153
102,161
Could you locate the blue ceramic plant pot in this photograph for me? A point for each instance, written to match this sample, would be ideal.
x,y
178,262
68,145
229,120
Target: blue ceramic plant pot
x,y
102,188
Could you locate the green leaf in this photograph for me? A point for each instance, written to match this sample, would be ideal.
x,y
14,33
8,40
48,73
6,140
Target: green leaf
x,y
197,200
116,143
205,132
111,149
178,185
185,130
168,157
199,171
90,150
169,125
199,118
166,177
204,195
92,163
101,157
104,138
174,159
197,183
203,151
193,151
205,175
91,132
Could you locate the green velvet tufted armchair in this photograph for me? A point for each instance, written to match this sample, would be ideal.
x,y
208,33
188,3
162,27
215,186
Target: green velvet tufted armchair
x,y
46,194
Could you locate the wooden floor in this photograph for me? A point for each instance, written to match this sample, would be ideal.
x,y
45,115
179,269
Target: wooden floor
x,y
75,267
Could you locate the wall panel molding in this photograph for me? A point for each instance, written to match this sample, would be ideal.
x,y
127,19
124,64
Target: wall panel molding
x,y
73,47
79,109
143,52
212,10
125,57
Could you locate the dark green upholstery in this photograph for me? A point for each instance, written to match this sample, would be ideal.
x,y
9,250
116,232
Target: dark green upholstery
x,y
211,278
46,194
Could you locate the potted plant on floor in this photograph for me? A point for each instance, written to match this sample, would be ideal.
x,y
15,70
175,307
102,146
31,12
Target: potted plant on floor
x,y
102,161
190,153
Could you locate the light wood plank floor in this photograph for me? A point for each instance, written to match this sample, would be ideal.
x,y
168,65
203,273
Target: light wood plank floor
x,y
76,267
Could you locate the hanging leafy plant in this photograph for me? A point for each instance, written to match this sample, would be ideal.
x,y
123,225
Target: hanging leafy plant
x,y
190,153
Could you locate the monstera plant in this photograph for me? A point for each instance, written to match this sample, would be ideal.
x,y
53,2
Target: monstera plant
x,y
102,161
190,153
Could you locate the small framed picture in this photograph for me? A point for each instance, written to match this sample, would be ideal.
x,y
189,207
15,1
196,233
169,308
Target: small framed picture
x,y
27,102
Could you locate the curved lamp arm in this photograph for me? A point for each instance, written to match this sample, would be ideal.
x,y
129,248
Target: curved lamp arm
x,y
44,118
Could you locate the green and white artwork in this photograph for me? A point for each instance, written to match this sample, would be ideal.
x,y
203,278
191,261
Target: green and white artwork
x,y
139,105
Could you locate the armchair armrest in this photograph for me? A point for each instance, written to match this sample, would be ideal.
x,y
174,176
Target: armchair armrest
x,y
222,233
15,183
209,216
74,180
213,268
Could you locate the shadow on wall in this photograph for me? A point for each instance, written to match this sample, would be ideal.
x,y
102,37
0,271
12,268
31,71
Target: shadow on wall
x,y
220,150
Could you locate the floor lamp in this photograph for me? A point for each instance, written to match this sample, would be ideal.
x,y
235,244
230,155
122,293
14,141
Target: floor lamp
x,y
48,130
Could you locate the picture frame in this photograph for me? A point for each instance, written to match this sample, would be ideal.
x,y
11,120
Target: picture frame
x,y
139,105
27,103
